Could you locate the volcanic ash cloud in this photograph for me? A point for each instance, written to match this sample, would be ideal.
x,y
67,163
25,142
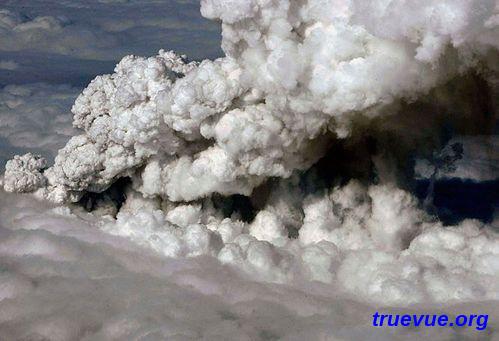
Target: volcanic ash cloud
x,y
220,157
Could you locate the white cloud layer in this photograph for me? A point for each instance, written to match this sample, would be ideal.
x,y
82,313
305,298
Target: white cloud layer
x,y
63,279
8,65
84,30
73,41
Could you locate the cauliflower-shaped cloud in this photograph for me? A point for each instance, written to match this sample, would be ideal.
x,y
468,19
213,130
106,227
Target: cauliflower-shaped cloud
x,y
24,173
297,79
292,79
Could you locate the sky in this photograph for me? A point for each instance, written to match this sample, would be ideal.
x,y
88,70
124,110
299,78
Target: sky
x,y
70,42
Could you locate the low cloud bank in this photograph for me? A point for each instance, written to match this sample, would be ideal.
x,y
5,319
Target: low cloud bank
x,y
63,279
70,42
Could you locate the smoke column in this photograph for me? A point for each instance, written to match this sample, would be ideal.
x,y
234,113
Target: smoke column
x,y
292,157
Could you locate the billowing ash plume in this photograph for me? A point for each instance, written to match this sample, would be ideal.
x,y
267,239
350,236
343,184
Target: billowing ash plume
x,y
223,156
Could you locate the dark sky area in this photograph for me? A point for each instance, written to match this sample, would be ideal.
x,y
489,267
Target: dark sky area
x,y
71,41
